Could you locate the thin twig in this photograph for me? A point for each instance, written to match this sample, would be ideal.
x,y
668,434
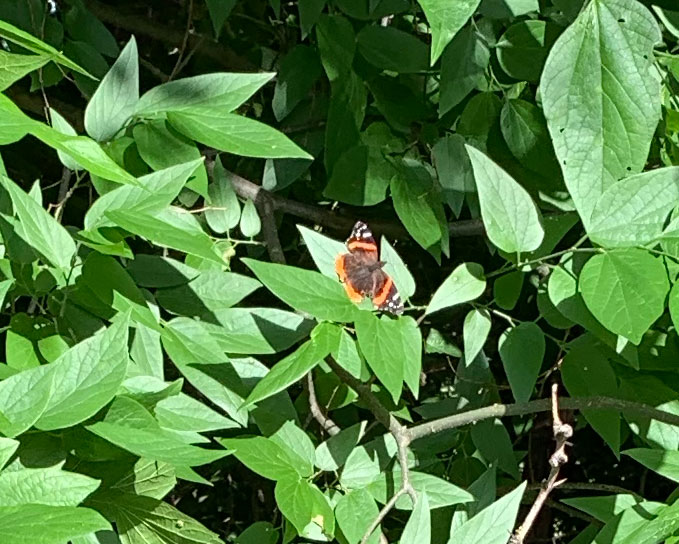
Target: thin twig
x,y
397,430
185,40
323,420
265,209
562,432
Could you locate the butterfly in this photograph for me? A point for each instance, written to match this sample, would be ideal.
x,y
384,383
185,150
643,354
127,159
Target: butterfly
x,y
361,272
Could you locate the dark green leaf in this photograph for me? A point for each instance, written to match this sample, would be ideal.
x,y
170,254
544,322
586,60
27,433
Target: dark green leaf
x,y
522,349
523,48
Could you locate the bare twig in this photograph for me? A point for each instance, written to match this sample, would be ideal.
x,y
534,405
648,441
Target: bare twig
x,y
265,209
562,432
323,420
185,40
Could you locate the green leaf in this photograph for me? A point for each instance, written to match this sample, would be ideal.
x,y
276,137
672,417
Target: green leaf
x,y
235,134
391,49
24,39
393,349
665,463
172,227
222,91
145,519
14,67
39,229
7,448
48,486
416,206
397,269
211,290
62,125
454,169
309,14
463,66
60,523
522,349
633,211
260,532
512,221
306,291
224,212
355,511
332,454
464,284
114,101
250,223
323,250
492,524
523,48
87,377
23,397
439,492
625,290
265,457
418,527
324,339
586,372
445,20
299,70
608,47
491,438
336,44
219,12
507,289
160,146
157,190
184,413
303,503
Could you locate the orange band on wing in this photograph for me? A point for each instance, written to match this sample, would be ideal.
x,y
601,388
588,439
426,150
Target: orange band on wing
x,y
354,295
381,297
339,267
368,246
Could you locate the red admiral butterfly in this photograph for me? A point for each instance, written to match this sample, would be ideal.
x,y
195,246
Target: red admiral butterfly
x,y
362,274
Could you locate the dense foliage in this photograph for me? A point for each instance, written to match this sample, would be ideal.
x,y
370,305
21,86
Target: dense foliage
x,y
182,364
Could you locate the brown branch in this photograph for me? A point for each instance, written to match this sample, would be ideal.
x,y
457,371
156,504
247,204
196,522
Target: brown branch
x,y
562,432
247,189
397,430
323,420
269,229
137,24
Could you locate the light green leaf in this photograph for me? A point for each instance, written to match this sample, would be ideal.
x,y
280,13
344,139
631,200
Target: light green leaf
x,y
172,227
24,39
418,527
355,511
586,372
523,48
393,350
493,524
512,220
184,413
504,9
60,523
306,291
463,67
332,454
323,250
7,448
665,463
222,91
113,103
446,19
633,211
49,486
464,284
598,141
265,457
625,290
439,492
324,339
235,134
250,223
302,503
62,125
392,49
38,228
23,398
522,349
224,211
14,67
87,377
397,269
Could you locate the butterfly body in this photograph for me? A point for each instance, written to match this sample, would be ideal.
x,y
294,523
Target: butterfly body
x,y
362,272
